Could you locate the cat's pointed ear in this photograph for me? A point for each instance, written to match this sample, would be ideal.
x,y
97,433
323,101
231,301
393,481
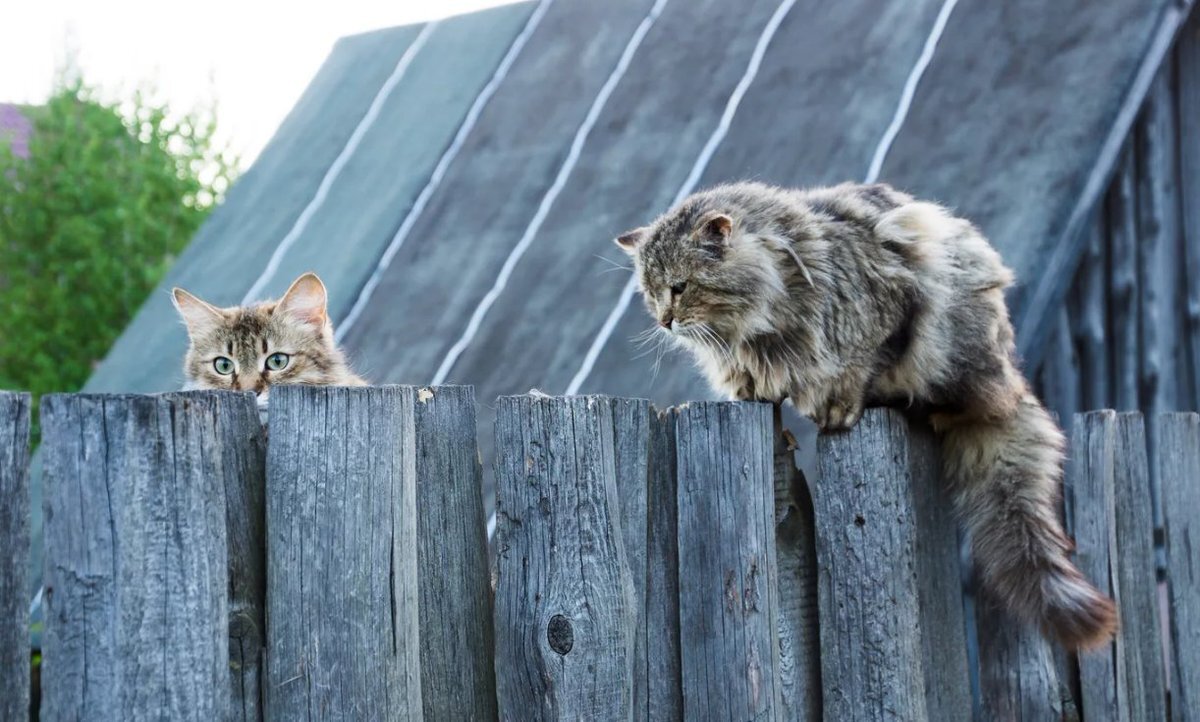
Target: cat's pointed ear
x,y
631,241
305,301
715,225
197,315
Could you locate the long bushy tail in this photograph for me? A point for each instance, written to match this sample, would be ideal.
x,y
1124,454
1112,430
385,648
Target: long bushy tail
x,y
1006,475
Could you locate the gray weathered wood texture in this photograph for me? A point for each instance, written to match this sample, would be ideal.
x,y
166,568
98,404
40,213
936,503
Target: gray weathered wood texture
x,y
458,678
663,661
1060,376
243,448
1091,334
728,582
796,557
1179,472
631,442
871,643
939,583
136,580
1093,445
342,593
566,609
14,555
1122,220
631,455
1159,227
1115,535
1139,641
1188,88
1018,681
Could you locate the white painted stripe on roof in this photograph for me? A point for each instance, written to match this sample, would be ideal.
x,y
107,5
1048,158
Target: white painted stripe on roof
x,y
334,170
439,172
564,172
910,89
881,151
693,178
702,161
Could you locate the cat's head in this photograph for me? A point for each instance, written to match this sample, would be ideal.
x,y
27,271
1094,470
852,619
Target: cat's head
x,y
251,348
702,268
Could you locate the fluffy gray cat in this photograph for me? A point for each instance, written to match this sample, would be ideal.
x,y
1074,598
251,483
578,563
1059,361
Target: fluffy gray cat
x,y
857,295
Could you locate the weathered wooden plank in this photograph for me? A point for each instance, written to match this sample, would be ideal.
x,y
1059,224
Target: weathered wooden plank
x,y
1179,473
1018,681
342,593
631,442
939,583
458,678
1059,376
796,556
136,579
1188,95
1123,290
871,646
1093,445
1159,270
14,555
243,448
728,579
663,661
566,608
1160,273
1090,320
1139,640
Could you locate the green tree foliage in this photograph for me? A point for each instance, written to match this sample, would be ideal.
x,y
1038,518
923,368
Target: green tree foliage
x,y
89,221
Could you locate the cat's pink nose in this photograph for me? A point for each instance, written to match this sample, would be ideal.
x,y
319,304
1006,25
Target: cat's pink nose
x,y
666,320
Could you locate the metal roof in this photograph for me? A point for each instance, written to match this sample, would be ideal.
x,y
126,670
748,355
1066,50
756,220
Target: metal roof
x,y
457,184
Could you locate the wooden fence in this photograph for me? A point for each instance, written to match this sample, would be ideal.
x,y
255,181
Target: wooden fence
x,y
650,565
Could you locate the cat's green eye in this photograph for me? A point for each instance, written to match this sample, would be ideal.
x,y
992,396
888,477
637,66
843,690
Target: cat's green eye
x,y
278,361
223,365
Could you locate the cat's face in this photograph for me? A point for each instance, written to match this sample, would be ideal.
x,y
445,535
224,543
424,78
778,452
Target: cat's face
x,y
698,274
251,348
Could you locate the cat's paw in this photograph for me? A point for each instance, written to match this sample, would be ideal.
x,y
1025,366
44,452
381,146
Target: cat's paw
x,y
838,415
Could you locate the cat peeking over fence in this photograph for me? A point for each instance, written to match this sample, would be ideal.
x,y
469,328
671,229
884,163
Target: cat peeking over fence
x,y
859,295
255,347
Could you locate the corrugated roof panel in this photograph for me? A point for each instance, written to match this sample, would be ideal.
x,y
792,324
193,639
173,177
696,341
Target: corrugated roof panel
x,y
231,250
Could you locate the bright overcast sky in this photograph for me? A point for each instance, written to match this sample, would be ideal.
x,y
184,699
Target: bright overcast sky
x,y
254,57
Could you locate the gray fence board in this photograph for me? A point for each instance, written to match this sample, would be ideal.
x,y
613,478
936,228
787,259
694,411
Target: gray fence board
x,y
871,646
136,580
565,602
1060,374
14,555
458,678
1188,87
1018,681
943,628
342,595
1093,444
1122,222
1115,534
663,660
1139,640
631,443
1091,320
796,557
243,448
728,585
1179,473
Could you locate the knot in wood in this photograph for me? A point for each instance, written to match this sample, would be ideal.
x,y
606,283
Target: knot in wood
x,y
560,634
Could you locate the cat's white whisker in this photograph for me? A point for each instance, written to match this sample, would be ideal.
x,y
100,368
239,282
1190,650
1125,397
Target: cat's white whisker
x,y
615,266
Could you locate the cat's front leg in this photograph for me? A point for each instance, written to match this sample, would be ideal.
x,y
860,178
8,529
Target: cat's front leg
x,y
737,385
